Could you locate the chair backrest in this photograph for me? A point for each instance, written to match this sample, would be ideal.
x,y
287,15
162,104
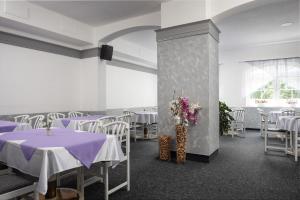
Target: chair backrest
x,y
288,113
36,121
118,128
239,115
21,118
124,118
132,114
92,126
106,119
53,116
74,114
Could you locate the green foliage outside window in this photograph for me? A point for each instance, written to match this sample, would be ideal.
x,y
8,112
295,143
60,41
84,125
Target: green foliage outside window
x,y
268,91
265,92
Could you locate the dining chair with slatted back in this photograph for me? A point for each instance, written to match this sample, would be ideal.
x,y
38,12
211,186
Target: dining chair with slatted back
x,y
124,118
106,120
134,127
92,126
74,114
288,112
239,120
13,186
53,116
263,119
37,121
120,130
21,118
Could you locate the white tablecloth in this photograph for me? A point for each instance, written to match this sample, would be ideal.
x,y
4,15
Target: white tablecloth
x,y
274,115
287,123
46,162
146,117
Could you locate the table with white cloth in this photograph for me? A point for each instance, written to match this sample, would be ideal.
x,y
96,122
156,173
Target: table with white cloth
x,y
274,115
147,118
73,122
47,161
289,124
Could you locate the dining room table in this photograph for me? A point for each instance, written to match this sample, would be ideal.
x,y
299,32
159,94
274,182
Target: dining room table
x,y
9,126
73,122
290,125
44,153
147,119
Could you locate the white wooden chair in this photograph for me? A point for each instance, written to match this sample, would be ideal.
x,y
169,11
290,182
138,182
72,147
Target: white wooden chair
x,y
21,118
273,133
121,130
288,113
74,114
53,116
37,121
13,186
263,118
238,124
106,120
92,126
295,137
133,125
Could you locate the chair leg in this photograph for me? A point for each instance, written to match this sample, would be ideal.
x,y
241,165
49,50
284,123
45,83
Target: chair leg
x,y
286,142
80,182
106,181
128,172
266,138
296,146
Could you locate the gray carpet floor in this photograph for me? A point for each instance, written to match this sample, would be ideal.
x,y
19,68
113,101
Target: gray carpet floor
x,y
241,170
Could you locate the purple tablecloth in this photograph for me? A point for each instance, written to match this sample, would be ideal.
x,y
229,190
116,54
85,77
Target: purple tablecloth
x,y
83,146
66,121
7,126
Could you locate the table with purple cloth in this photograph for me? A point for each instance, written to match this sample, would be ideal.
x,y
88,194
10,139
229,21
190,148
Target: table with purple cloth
x,y
44,153
8,126
73,123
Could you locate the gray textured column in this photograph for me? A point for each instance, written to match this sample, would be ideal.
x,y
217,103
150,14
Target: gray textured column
x,y
188,61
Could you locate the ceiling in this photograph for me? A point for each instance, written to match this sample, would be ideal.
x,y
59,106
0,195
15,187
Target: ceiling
x,y
100,12
261,25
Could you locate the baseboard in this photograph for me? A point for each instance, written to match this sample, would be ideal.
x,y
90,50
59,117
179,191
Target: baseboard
x,y
253,129
197,157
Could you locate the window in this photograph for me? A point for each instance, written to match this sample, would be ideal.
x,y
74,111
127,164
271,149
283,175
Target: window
x,y
273,82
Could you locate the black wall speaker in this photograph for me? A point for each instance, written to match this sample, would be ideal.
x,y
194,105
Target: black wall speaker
x,y
106,52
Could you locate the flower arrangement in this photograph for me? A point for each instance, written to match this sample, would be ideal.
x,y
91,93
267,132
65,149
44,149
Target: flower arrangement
x,y
183,112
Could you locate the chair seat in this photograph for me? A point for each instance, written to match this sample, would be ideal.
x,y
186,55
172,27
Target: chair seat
x,y
276,130
11,182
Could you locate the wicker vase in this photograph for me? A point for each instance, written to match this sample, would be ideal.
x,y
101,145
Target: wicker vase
x,y
181,132
164,147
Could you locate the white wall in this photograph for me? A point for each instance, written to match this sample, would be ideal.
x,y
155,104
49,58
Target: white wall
x,y
179,12
232,67
36,81
129,88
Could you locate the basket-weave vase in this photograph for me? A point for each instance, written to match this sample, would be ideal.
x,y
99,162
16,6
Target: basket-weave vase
x,y
181,132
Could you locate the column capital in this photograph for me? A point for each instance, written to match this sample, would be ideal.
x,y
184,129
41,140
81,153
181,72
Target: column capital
x,y
187,30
